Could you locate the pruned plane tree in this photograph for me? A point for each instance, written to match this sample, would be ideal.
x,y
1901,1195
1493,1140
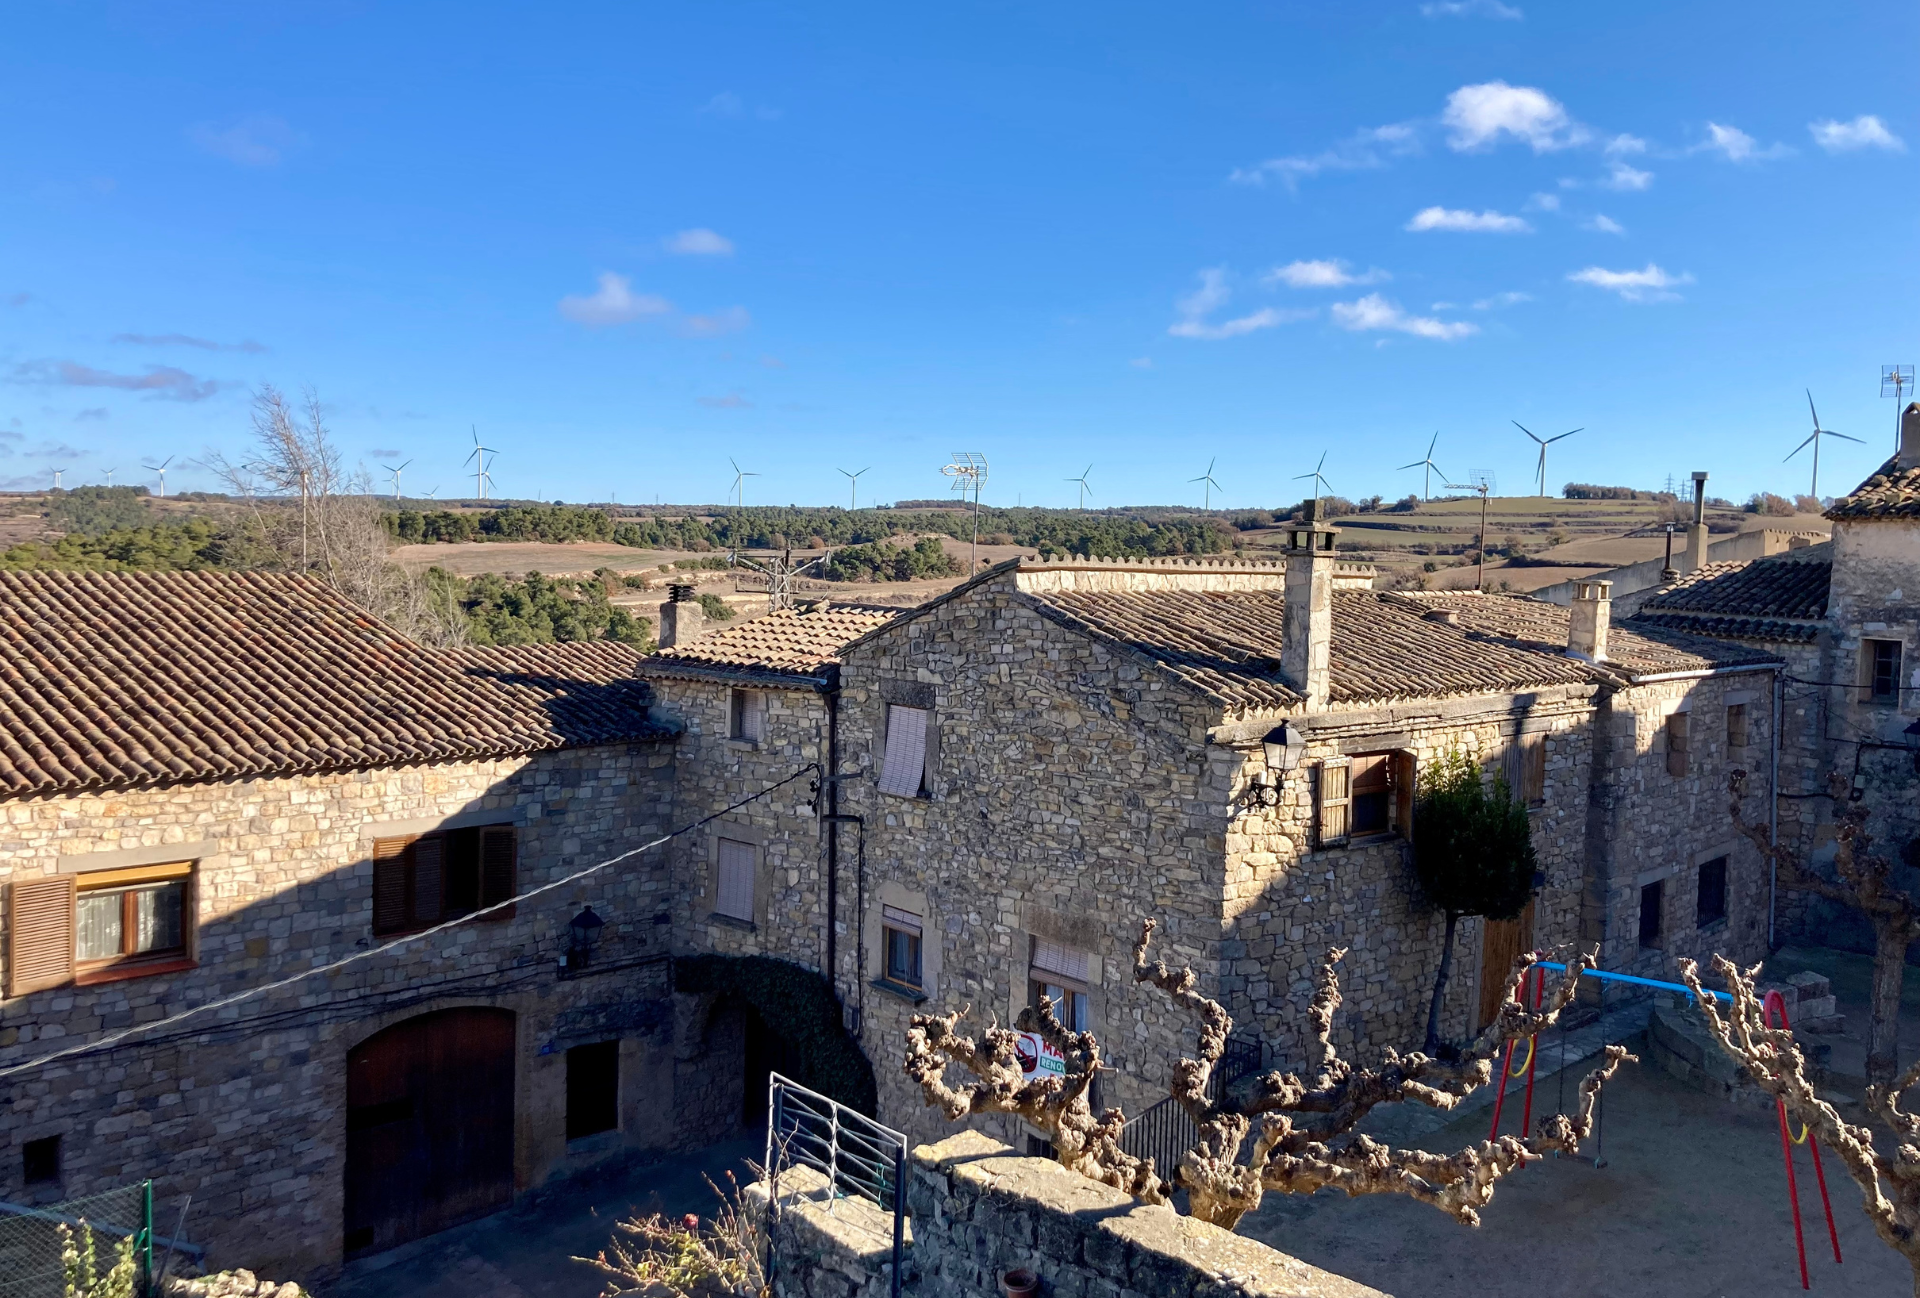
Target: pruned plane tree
x,y
1288,1133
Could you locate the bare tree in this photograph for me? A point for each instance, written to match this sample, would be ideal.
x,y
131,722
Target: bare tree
x,y
1305,1137
1864,882
1889,1182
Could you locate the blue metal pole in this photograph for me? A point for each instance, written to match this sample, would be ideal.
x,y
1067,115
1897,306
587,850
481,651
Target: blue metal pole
x,y
1640,982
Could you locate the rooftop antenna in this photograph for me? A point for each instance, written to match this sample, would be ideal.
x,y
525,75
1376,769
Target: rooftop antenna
x,y
740,477
161,469
1428,464
1895,380
1319,483
478,458
969,469
1813,438
1544,444
1209,489
396,476
56,478
1085,490
853,486
1481,482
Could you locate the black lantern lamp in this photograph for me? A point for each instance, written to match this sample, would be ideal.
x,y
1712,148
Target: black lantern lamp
x,y
1284,747
583,934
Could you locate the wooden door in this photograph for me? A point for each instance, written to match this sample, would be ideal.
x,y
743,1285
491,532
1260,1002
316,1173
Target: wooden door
x,y
1502,942
429,1126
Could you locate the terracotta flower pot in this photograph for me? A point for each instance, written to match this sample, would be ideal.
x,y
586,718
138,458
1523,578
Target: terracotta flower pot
x,y
1020,1283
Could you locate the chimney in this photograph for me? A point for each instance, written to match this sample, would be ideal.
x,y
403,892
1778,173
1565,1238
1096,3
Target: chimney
x,y
681,617
1306,634
1697,534
1587,622
1909,456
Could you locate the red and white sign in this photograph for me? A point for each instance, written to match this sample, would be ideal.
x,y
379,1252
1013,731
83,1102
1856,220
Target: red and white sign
x,y
1038,1059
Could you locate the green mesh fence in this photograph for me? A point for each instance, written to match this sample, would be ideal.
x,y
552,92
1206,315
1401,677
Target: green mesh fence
x,y
32,1264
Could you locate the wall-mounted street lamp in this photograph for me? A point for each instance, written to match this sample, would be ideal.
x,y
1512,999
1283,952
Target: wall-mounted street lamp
x,y
1283,746
583,934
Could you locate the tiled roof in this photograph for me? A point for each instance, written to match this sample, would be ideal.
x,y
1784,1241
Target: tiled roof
x,y
1890,493
587,688
1766,630
781,647
1782,587
116,680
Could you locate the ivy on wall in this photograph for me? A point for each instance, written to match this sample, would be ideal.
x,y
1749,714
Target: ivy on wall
x,y
798,1005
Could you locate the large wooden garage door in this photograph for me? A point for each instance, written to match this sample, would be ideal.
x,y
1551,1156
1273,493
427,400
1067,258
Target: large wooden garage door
x,y
429,1126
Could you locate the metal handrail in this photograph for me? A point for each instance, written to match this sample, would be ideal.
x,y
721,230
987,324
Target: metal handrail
x,y
859,1157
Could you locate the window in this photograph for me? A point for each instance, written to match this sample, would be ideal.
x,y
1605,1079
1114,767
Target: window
x,y
1883,671
1336,801
904,770
422,881
1371,777
747,716
1736,725
40,1160
1711,907
99,925
900,931
1060,974
1677,744
1366,795
734,863
1651,896
1525,766
593,1089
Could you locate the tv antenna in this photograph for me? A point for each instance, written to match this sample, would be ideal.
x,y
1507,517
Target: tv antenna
x,y
161,469
853,486
740,477
1813,438
1544,444
478,458
1209,489
968,471
1896,381
1319,483
1428,464
1085,490
1482,482
396,476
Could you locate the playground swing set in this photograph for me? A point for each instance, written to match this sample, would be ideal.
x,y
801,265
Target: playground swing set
x,y
1773,1004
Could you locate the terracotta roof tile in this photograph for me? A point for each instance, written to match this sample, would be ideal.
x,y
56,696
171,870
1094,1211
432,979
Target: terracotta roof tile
x,y
1783,587
784,645
122,679
1762,629
1892,492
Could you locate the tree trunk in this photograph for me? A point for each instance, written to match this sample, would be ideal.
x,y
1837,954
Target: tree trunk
x,y
1440,985
1890,939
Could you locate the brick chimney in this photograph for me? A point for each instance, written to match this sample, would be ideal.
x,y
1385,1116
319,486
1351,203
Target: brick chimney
x,y
1306,634
681,617
1909,456
1587,622
1697,534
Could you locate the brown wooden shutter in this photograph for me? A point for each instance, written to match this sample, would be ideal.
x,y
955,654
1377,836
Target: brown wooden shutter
x,y
1405,789
1336,801
392,866
499,850
39,934
1536,781
429,880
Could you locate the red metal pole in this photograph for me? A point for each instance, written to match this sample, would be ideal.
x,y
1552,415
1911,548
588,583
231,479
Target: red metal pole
x,y
1533,1054
1500,1096
1820,1175
1772,1002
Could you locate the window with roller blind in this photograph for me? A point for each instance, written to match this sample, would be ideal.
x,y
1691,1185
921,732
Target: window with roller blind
x,y
427,879
903,768
1059,973
735,866
99,926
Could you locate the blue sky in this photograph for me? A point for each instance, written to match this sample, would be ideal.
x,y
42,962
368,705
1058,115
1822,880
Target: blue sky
x,y
629,241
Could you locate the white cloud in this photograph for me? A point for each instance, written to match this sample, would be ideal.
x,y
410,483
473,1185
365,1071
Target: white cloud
x,y
1470,9
1329,273
251,141
714,323
164,381
1649,285
1736,145
1213,294
1375,312
1622,177
1499,301
613,303
700,243
1542,203
1459,219
1141,362
1864,132
1478,116
1626,144
1603,224
1362,151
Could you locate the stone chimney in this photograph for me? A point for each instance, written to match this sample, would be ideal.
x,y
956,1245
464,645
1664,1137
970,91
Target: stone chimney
x,y
1306,635
681,617
1697,534
1909,456
1587,622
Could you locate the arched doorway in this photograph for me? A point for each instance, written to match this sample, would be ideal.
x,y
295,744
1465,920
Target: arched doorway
x,y
429,1126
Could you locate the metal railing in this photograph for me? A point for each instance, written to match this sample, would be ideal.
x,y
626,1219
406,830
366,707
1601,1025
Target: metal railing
x,y
1166,1131
860,1158
33,1262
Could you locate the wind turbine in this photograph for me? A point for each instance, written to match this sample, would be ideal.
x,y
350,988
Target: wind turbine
x,y
1210,488
430,492
161,469
853,485
1319,483
56,478
478,458
1428,465
1544,444
110,476
1085,490
396,476
1814,438
740,477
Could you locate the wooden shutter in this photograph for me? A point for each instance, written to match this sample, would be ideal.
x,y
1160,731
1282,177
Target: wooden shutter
x,y
499,877
1677,744
1536,772
429,880
733,883
392,866
1405,776
39,934
1513,767
905,767
1336,801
